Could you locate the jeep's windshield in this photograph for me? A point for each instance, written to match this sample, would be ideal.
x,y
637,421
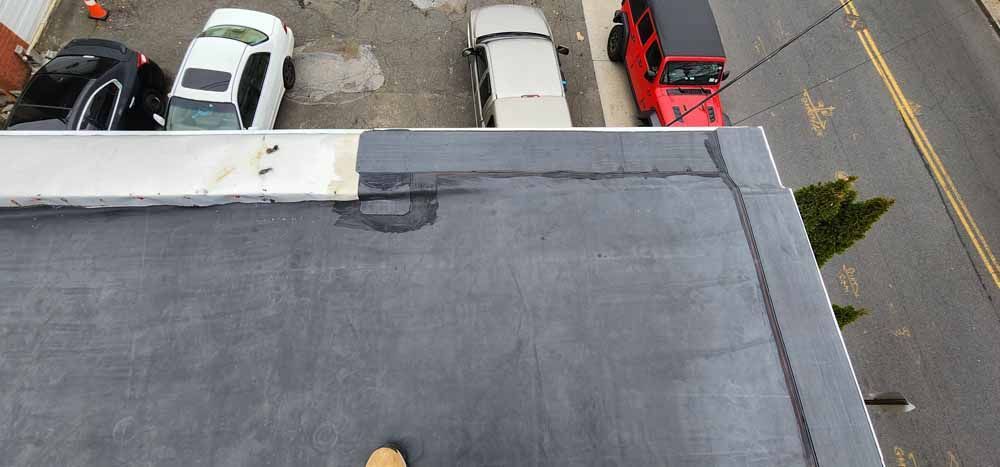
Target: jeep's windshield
x,y
696,73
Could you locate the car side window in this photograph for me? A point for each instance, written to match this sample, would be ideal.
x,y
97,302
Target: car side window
x,y
485,91
645,28
100,110
637,7
251,85
653,57
481,65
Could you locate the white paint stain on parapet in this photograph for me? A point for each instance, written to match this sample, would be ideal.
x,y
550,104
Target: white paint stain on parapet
x,y
321,75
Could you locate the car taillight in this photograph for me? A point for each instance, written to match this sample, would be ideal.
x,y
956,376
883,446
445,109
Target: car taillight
x,y
284,27
142,60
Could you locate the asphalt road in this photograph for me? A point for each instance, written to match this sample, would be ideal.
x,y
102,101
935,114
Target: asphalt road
x,y
934,333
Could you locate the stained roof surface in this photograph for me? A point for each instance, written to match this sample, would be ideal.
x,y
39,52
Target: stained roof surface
x,y
494,298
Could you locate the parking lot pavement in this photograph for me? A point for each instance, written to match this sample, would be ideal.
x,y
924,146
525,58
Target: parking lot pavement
x,y
360,63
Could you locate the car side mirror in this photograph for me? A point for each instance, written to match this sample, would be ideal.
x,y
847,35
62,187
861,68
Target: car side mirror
x,y
650,74
725,75
159,120
562,49
469,52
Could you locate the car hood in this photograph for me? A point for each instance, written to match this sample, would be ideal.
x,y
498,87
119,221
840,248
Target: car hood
x,y
532,112
499,19
708,114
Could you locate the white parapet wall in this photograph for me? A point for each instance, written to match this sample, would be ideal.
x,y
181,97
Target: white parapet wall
x,y
188,169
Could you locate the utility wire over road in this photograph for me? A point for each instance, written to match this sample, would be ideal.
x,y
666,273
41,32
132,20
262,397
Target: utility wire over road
x,y
761,61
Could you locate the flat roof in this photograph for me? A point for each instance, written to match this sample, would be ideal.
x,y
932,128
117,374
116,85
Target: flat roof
x,y
687,28
491,297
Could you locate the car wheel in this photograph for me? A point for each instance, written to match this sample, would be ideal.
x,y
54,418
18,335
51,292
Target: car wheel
x,y
726,120
616,43
152,102
288,73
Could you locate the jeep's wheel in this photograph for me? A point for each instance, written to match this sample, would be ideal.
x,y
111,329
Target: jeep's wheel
x,y
726,120
288,73
616,43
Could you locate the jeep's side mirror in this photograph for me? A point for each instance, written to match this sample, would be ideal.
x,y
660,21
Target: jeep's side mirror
x,y
725,75
562,49
650,74
469,52
159,120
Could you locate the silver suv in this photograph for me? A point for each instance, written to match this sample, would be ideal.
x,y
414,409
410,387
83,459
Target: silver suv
x,y
516,80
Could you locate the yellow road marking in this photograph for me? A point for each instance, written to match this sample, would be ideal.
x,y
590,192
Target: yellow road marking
x,y
848,281
927,151
816,112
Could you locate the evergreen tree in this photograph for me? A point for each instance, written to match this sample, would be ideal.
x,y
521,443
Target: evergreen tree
x,y
834,219
846,314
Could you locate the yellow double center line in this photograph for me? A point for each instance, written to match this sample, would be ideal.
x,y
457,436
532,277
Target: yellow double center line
x,y
927,150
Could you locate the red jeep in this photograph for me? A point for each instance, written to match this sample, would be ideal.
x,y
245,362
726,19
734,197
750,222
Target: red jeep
x,y
674,57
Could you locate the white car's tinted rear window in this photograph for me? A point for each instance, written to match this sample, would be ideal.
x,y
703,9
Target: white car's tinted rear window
x,y
206,80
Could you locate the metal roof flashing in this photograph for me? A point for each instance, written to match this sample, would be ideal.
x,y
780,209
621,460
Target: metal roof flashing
x,y
517,297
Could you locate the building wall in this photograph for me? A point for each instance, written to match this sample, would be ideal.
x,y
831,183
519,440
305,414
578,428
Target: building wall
x,y
25,17
13,70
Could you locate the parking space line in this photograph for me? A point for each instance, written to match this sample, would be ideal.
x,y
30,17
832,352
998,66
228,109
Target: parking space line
x,y
617,102
926,149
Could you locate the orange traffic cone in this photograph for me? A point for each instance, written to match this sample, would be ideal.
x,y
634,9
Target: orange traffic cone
x,y
95,10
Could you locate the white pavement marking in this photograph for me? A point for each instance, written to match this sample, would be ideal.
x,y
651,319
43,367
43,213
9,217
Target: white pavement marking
x,y
617,102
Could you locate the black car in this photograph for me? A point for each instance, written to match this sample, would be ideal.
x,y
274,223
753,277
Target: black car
x,y
92,84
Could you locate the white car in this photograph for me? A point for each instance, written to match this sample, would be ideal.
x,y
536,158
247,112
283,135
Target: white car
x,y
234,74
516,79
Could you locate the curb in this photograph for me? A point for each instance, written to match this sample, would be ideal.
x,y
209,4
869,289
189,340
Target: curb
x,y
991,8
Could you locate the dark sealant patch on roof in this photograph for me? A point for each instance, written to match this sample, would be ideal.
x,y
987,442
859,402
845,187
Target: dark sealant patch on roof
x,y
562,305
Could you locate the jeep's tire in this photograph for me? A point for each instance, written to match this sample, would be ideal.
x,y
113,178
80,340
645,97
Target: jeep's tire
x,y
726,120
288,73
616,43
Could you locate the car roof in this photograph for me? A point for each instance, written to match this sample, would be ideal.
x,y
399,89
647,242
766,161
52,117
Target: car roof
x,y
498,19
212,53
524,65
262,22
686,28
532,112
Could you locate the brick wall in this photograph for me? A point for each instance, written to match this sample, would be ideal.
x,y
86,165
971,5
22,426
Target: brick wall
x,y
13,71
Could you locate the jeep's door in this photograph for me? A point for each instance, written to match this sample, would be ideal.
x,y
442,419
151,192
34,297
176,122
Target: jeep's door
x,y
644,58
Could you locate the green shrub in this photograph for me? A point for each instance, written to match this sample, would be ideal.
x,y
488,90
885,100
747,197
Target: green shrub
x,y
834,219
846,314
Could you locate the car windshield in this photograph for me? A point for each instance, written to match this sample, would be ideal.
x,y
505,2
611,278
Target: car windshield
x,y
47,102
187,114
696,73
28,117
54,90
249,36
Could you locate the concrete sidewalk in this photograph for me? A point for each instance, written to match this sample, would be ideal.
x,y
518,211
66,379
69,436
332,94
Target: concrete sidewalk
x,y
992,10
617,102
